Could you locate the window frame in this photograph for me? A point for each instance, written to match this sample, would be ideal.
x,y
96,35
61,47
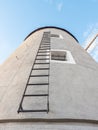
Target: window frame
x,y
69,58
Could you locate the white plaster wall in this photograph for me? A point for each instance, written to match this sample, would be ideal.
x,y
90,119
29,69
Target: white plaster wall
x,y
73,91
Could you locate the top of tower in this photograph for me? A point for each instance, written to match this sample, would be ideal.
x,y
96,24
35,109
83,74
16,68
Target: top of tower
x,y
52,27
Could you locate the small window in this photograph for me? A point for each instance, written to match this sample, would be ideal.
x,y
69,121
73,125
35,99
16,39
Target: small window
x,y
58,55
63,56
55,35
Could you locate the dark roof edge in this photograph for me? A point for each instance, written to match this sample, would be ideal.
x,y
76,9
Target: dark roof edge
x,y
50,27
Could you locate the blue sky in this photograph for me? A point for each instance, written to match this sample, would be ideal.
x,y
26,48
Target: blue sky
x,y
20,17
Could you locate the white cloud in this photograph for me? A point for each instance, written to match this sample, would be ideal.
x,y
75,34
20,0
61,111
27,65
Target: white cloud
x,y
54,3
89,29
59,6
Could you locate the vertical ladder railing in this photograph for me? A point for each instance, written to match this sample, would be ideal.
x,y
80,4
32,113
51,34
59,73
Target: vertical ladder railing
x,y
34,99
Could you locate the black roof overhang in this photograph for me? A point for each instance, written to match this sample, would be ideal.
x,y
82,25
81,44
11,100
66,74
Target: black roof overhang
x,y
51,27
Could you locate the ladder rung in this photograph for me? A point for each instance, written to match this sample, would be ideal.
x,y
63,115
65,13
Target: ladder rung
x,y
46,37
42,59
44,51
45,33
39,84
44,44
44,55
45,41
44,47
38,75
28,95
43,110
40,69
42,63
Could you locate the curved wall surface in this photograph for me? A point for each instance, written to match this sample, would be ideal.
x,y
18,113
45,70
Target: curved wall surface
x,y
71,77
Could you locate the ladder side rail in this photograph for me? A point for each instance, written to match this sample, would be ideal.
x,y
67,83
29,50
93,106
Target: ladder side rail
x,y
20,105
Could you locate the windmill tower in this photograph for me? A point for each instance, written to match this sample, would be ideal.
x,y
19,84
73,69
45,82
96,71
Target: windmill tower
x,y
49,82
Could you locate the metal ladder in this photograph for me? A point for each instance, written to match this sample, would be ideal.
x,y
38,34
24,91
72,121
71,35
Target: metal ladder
x,y
36,94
